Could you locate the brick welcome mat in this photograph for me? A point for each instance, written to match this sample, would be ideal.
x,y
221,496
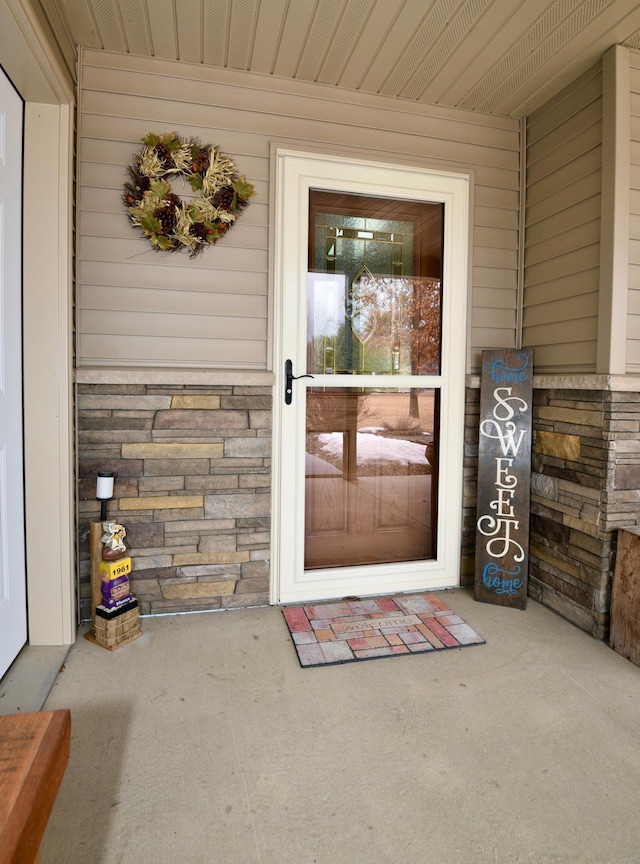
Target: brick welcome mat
x,y
330,633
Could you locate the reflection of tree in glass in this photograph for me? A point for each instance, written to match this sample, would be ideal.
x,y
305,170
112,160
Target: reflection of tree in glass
x,y
425,345
406,338
391,325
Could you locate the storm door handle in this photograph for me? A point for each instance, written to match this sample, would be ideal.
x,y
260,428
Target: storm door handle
x,y
289,378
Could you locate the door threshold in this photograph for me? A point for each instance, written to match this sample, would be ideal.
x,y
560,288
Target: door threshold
x,y
29,679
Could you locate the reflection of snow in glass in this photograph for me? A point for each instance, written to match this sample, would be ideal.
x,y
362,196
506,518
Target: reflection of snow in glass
x,y
373,448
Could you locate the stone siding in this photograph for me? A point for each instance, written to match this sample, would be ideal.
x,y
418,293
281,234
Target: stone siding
x,y
570,551
470,485
192,488
585,484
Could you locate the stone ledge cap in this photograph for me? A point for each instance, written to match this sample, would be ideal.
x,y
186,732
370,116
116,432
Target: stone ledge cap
x,y
621,383
166,375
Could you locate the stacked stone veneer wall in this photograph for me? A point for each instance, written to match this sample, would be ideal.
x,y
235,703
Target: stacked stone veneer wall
x,y
470,484
570,535
192,488
585,485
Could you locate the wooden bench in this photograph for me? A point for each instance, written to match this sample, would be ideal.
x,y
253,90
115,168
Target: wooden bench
x,y
34,750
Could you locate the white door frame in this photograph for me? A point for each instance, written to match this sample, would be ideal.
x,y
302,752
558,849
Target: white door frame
x,y
13,582
39,73
295,174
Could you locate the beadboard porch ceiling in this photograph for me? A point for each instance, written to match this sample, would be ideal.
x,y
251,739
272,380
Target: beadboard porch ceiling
x,y
503,57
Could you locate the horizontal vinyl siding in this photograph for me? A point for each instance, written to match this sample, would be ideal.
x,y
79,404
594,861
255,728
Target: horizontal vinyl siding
x,y
140,307
562,236
633,309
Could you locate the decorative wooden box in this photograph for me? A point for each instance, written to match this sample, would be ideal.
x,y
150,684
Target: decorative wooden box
x,y
624,635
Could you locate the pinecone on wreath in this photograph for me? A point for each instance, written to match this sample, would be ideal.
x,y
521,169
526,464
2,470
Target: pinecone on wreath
x,y
223,198
166,216
164,155
199,230
200,161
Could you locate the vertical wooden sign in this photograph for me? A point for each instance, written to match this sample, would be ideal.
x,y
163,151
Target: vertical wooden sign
x,y
504,478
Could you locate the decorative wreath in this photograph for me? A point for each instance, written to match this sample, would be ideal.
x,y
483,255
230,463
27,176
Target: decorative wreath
x,y
171,224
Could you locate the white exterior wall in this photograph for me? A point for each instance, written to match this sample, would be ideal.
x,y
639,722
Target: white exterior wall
x,y
633,300
138,307
562,237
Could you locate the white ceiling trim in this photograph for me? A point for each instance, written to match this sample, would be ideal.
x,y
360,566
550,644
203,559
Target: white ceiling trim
x,y
501,57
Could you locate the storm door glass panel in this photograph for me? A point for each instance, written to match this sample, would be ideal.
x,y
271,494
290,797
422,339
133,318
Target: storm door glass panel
x,y
373,325
375,286
374,297
371,476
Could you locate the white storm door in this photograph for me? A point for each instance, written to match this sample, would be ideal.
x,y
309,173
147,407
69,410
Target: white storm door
x,y
329,517
13,603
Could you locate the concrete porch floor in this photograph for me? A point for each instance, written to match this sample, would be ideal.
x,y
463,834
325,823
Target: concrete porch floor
x,y
204,742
